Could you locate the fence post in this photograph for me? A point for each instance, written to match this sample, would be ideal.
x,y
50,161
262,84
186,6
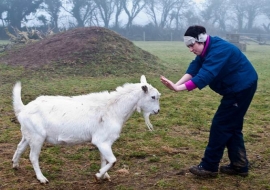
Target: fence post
x,y
143,36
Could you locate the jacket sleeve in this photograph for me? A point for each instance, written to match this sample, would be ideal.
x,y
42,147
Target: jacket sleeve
x,y
209,67
194,67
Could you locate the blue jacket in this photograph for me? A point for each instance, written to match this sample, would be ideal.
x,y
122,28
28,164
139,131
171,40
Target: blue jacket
x,y
223,67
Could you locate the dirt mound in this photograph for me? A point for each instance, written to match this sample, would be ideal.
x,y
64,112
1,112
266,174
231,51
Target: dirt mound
x,y
95,46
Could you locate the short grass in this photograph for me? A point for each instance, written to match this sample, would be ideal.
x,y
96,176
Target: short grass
x,y
154,160
4,42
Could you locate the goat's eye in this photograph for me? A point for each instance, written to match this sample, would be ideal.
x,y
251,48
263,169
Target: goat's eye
x,y
153,97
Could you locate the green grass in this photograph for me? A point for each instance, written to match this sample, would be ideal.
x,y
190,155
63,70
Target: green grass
x,y
155,160
4,42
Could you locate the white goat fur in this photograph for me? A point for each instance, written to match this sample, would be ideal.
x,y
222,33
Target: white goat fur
x,y
97,118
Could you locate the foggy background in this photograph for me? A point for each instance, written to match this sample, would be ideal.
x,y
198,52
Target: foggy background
x,y
139,19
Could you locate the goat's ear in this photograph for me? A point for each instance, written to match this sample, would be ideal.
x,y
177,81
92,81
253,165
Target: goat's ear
x,y
145,88
143,79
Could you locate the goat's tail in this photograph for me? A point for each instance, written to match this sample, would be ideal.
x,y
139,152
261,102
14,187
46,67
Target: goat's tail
x,y
17,99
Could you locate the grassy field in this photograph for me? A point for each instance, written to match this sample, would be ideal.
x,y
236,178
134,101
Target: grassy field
x,y
4,42
154,160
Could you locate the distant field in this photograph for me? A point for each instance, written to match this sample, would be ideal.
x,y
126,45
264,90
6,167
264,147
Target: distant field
x,y
4,42
155,160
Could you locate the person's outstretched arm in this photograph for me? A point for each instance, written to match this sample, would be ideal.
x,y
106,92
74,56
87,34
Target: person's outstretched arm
x,y
184,83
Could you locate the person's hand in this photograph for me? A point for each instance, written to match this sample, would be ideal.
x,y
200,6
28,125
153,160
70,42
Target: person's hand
x,y
169,84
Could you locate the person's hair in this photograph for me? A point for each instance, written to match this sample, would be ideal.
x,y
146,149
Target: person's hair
x,y
194,31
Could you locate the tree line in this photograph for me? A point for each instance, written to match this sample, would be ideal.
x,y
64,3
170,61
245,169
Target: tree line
x,y
166,19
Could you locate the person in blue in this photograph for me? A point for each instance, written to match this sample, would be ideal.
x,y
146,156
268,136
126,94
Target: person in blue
x,y
227,71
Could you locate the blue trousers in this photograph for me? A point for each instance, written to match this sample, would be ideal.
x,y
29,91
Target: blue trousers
x,y
226,132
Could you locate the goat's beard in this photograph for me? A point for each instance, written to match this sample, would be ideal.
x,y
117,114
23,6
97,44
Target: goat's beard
x,y
147,121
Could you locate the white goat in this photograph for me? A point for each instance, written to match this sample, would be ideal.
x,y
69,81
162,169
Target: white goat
x,y
97,118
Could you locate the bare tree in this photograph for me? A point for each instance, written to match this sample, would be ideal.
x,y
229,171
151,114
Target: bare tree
x,y
3,9
239,10
152,11
254,9
83,11
266,12
160,10
18,10
177,14
118,10
246,12
135,8
266,8
216,13
53,9
106,10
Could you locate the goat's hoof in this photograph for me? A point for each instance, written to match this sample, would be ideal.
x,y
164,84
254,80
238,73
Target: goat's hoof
x,y
15,166
106,177
96,178
99,177
43,180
